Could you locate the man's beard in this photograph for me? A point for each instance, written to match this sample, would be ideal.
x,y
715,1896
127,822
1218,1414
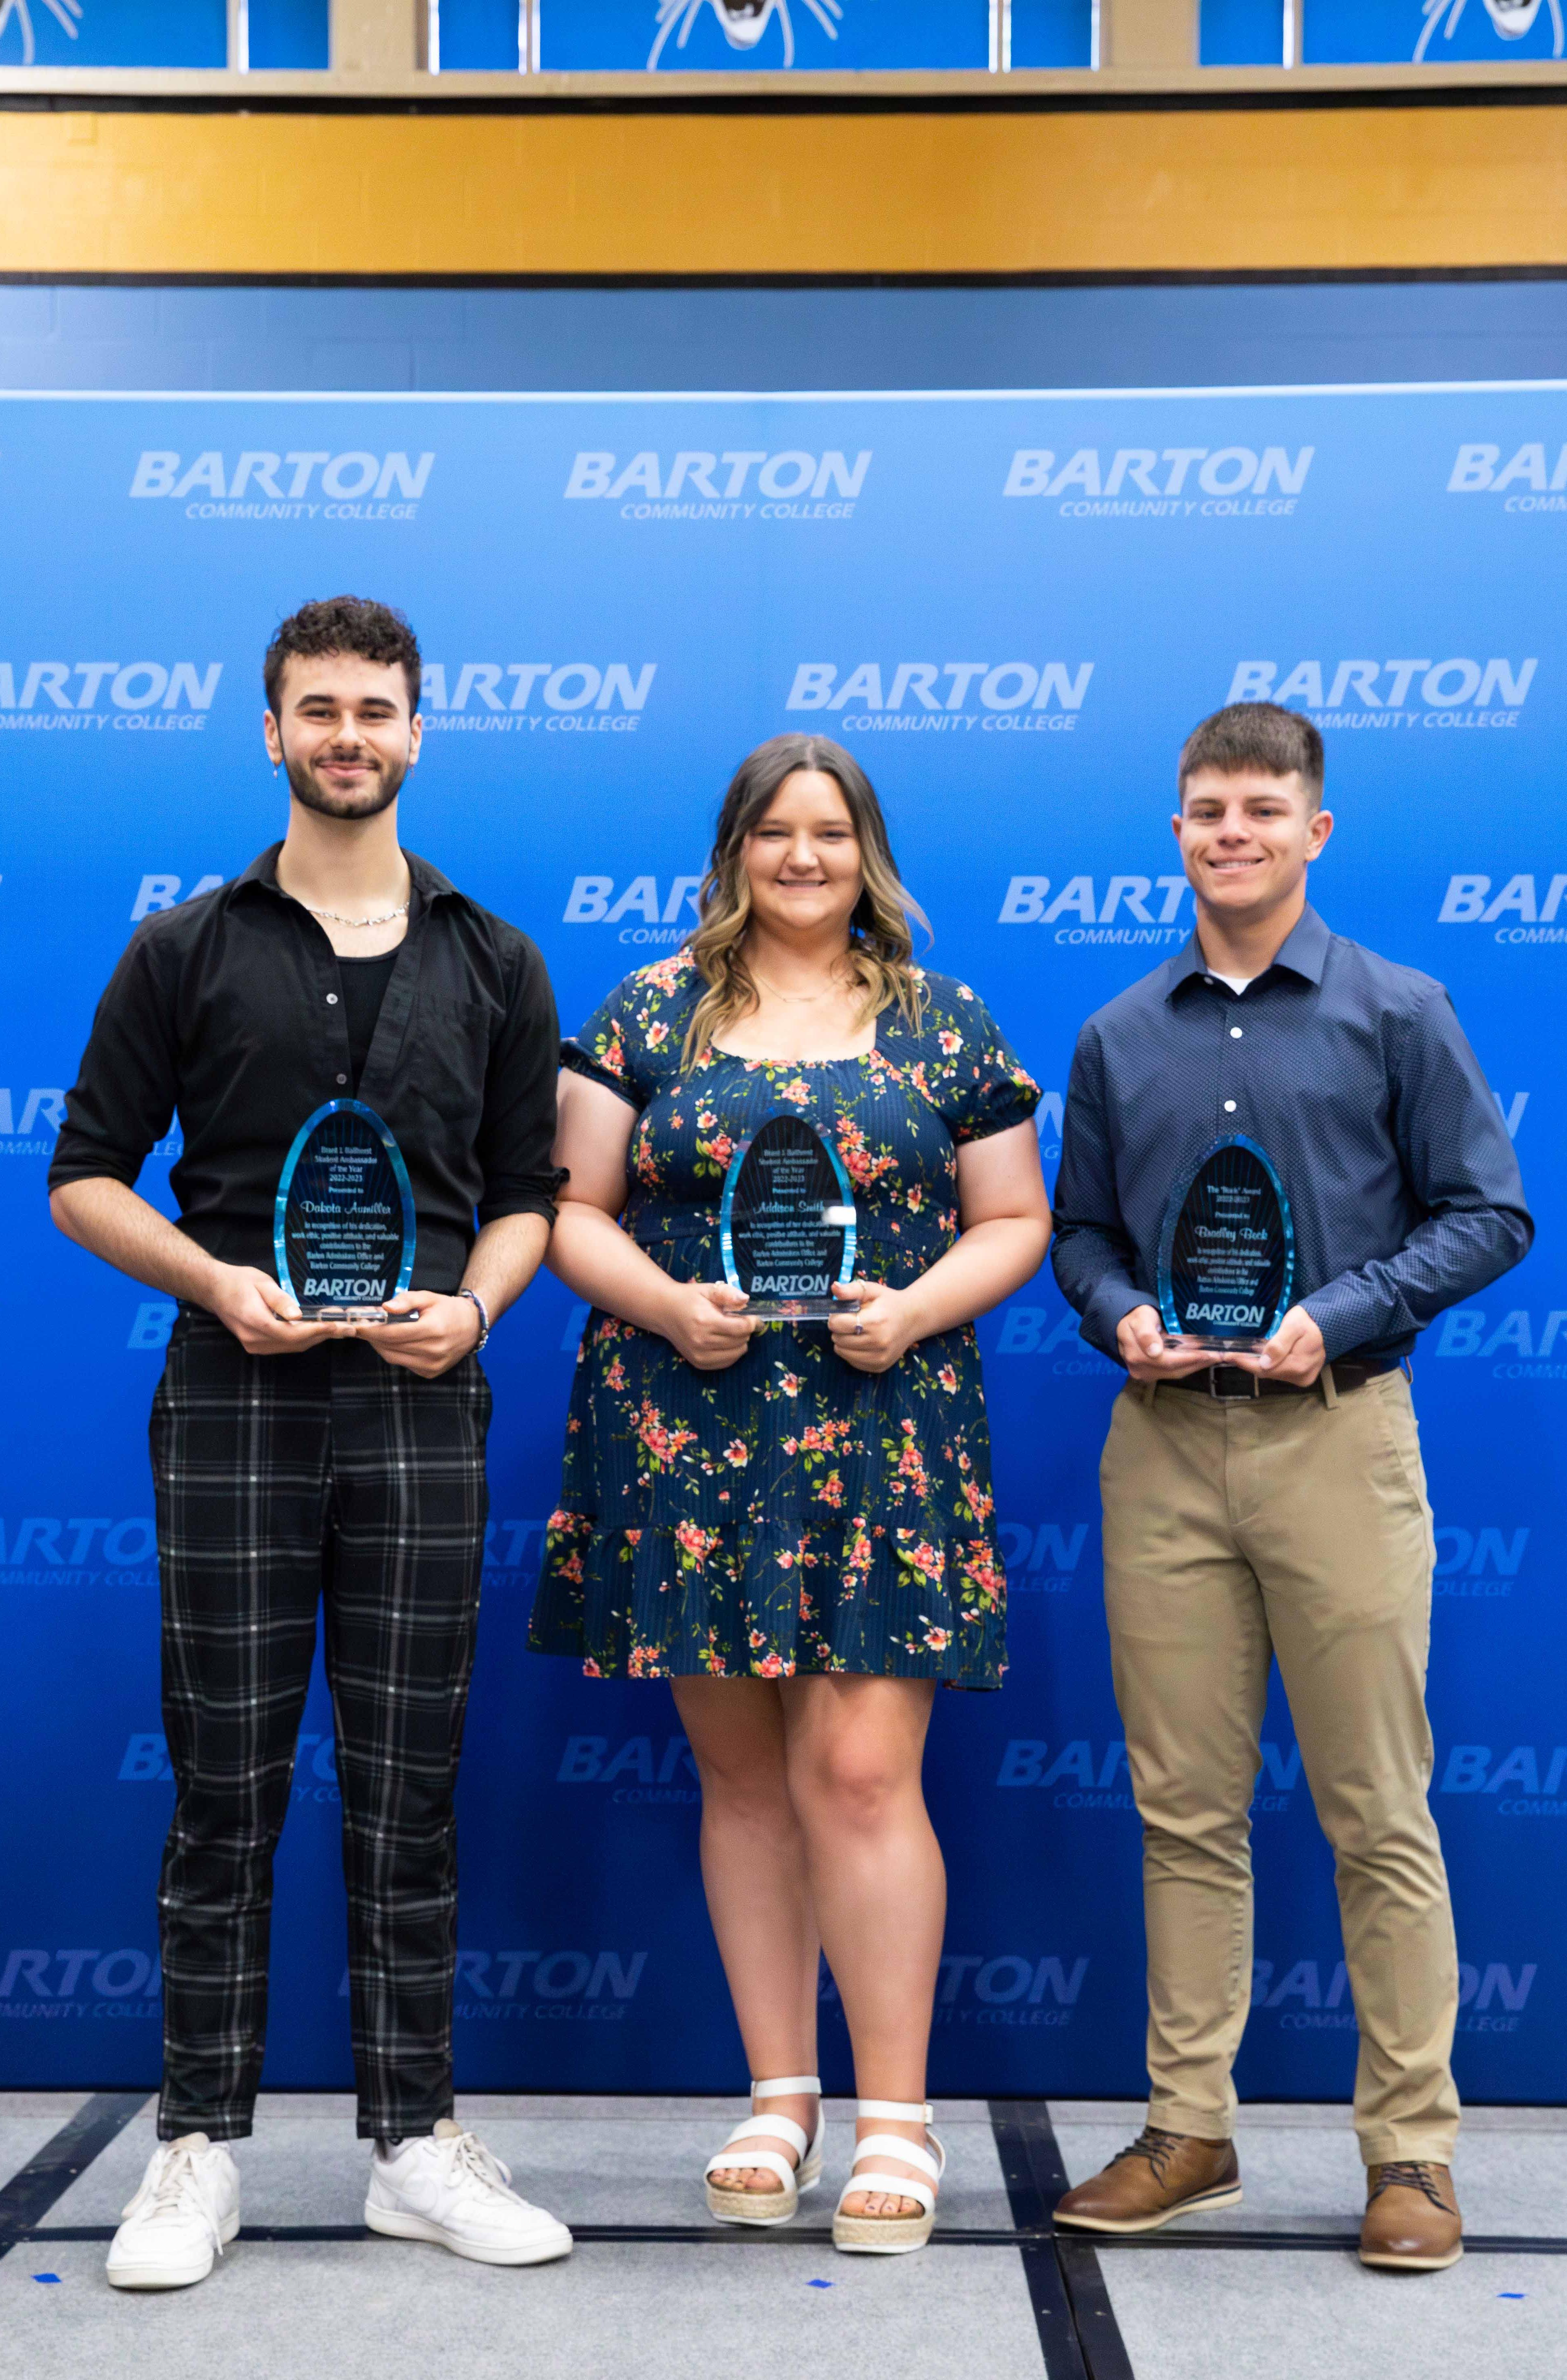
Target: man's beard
x,y
314,796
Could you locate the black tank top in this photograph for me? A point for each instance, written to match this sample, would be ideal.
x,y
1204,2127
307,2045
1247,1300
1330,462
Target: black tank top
x,y
364,985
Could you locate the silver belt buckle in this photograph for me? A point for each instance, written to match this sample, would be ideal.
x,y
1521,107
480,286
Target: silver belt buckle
x,y
1250,1396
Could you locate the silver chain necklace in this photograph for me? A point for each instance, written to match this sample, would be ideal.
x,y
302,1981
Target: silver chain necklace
x,y
337,918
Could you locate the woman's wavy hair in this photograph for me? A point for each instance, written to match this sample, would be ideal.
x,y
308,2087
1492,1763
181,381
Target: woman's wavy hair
x,y
881,939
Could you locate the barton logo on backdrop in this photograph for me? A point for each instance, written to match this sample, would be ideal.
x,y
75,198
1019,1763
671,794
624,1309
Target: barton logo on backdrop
x,y
1493,1993
639,1772
1144,912
1522,909
1042,1558
1015,1987
1523,1781
1532,478
944,697
1367,695
512,1550
293,483
1478,1564
146,1761
721,487
1080,1776
82,697
518,697
1524,1343
646,910
546,1987
60,1986
85,1550
1171,483
30,1120
1052,1331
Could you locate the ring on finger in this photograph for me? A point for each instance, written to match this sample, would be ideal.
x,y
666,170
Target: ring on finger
x,y
860,1330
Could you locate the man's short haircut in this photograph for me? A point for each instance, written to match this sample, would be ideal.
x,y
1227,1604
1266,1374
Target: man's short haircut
x,y
343,624
1255,735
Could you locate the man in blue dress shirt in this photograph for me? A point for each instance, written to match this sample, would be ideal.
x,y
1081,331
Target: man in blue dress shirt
x,y
1275,1504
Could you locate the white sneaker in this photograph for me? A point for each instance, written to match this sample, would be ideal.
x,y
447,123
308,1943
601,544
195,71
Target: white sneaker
x,y
185,2214
448,2188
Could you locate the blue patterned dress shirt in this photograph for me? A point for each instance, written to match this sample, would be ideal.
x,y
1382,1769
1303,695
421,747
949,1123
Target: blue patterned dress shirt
x,y
1355,1076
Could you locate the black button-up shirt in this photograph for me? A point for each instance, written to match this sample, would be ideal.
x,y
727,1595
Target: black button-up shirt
x,y
230,1009
1355,1078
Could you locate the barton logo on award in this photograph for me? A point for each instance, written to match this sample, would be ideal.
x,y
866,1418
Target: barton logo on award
x,y
1227,1252
787,1222
342,1227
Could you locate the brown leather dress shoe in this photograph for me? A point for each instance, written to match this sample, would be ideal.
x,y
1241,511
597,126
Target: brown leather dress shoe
x,y
1162,2175
1412,2222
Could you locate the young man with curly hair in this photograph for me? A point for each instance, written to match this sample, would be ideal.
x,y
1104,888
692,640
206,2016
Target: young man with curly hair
x,y
299,1462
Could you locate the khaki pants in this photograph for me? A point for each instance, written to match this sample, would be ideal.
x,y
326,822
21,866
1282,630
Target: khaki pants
x,y
1297,1527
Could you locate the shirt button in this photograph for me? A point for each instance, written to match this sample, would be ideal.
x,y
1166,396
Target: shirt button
x,y
1235,1032
1207,979
332,1000
1229,1104
343,1078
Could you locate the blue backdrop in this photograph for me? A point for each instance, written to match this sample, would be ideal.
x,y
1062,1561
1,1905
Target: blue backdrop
x,y
1012,606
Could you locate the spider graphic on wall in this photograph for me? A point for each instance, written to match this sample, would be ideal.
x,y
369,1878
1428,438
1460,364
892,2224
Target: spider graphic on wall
x,y
744,22
1513,19
65,13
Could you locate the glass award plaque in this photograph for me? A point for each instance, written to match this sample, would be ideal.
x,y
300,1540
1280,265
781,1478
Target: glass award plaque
x,y
1227,1252
787,1222
342,1227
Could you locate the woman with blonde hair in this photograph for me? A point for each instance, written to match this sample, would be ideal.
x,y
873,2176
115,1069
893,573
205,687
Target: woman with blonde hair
x,y
793,1523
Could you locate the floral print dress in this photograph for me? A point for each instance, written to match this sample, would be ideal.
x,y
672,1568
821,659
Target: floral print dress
x,y
790,1515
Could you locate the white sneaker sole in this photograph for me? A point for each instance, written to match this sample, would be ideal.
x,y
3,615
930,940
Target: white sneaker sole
x,y
542,2249
169,2276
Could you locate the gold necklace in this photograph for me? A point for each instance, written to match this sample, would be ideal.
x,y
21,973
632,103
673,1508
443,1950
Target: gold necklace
x,y
798,999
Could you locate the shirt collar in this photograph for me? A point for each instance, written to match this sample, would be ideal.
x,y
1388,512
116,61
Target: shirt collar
x,y
428,882
1304,951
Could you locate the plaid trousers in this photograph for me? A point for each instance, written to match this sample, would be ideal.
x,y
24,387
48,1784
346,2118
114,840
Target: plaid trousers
x,y
283,1481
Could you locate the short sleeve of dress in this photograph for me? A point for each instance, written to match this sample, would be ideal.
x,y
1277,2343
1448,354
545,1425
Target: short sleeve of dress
x,y
634,1037
982,1085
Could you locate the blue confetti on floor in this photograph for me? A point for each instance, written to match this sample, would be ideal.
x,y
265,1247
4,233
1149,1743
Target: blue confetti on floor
x,y
1511,2293
820,2284
48,2277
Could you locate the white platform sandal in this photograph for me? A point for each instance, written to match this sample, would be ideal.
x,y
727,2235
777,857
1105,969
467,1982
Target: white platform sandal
x,y
891,2235
766,2208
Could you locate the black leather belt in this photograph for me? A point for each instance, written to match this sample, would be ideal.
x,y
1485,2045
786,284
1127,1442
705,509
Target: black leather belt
x,y
1228,1384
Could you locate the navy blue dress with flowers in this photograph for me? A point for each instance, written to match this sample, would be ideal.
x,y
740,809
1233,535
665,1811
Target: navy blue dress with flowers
x,y
790,1515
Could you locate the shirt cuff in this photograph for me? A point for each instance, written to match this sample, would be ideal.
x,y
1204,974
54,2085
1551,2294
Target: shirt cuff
x,y
1111,1302
1341,1319
81,1164
527,1198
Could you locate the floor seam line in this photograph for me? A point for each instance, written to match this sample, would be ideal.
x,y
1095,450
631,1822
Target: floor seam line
x,y
64,2158
1035,2177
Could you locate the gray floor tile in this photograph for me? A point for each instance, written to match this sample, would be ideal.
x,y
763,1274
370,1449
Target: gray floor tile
x,y
596,2161
1316,2316
365,2313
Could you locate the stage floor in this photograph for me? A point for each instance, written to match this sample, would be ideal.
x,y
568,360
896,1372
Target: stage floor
x,y
1269,2291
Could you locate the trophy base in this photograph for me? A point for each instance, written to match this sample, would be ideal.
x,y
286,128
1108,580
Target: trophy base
x,y
798,1309
1179,1340
361,1315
